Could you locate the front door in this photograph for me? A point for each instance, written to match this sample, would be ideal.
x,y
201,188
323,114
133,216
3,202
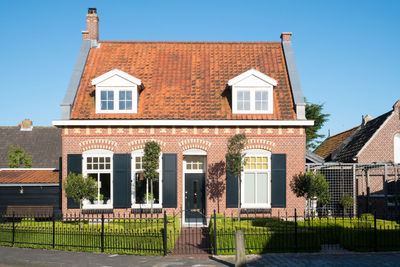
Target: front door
x,y
194,197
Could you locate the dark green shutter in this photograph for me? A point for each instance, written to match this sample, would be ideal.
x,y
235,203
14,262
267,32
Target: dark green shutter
x,y
231,190
122,181
278,180
74,164
169,184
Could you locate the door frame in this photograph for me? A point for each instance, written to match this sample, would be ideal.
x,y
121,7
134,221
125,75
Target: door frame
x,y
193,152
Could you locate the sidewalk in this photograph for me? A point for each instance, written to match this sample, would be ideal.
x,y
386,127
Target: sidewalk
x,y
37,257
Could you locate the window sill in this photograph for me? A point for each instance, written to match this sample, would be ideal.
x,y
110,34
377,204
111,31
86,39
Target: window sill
x,y
97,206
146,206
256,206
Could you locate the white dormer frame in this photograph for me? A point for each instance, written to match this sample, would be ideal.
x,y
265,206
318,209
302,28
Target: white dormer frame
x,y
116,81
252,81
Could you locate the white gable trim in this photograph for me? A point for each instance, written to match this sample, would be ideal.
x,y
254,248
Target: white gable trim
x,y
116,72
252,72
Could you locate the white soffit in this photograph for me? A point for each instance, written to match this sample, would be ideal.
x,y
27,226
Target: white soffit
x,y
252,72
183,123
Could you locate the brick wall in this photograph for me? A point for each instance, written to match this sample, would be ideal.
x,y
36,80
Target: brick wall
x,y
381,146
178,139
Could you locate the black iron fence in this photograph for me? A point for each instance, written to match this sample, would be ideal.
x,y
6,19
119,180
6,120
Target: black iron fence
x,y
90,232
162,235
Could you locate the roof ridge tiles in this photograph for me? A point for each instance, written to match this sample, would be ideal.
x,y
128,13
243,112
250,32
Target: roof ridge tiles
x,y
194,42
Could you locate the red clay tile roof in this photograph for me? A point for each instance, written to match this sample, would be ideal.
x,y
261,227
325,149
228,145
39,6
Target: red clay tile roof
x,y
28,176
331,143
185,80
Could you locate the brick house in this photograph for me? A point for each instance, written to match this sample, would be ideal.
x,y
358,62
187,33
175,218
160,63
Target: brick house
x,y
189,97
374,140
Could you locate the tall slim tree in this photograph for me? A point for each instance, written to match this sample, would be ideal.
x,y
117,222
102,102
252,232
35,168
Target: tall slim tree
x,y
235,160
151,156
17,157
314,112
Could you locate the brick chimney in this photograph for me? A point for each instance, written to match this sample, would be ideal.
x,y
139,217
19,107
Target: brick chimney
x,y
285,36
92,20
26,125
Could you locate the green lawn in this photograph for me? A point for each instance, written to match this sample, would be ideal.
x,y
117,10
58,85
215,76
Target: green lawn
x,y
127,236
264,235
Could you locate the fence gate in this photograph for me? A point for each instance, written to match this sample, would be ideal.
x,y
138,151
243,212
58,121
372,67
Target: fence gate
x,y
193,237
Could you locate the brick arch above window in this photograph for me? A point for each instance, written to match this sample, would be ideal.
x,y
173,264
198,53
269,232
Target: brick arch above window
x,y
259,144
140,143
98,143
194,143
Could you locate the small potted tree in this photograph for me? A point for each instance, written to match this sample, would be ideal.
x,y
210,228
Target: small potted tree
x,y
346,201
151,156
78,188
235,160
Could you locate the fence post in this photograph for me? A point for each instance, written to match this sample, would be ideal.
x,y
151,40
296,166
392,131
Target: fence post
x,y
13,228
102,232
54,231
375,235
215,234
296,249
165,233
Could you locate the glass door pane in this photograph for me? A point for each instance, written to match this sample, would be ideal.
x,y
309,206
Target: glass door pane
x,y
105,187
249,187
262,186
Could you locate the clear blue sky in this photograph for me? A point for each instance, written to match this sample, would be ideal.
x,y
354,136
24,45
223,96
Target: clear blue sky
x,y
347,52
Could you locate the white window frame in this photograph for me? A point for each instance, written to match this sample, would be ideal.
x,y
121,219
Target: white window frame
x,y
257,153
116,91
140,153
396,148
85,172
252,90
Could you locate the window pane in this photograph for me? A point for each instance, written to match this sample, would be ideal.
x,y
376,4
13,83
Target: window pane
x,y
110,105
128,95
89,166
249,189
107,159
89,160
122,105
108,166
103,105
128,105
96,160
261,187
240,95
246,96
105,188
103,95
110,95
122,95
156,187
140,188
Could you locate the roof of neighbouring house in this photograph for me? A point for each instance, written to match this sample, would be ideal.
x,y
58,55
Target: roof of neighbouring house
x,y
360,138
313,158
185,80
29,176
44,143
331,143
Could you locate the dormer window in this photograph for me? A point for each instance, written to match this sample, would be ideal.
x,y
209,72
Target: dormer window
x,y
252,93
116,92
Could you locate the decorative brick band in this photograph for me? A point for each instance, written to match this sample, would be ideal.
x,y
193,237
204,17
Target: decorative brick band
x,y
259,144
97,144
194,143
140,143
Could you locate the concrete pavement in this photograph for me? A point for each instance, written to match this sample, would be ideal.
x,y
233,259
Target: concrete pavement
x,y
37,257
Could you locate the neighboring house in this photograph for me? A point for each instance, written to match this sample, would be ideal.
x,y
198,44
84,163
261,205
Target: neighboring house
x,y
43,143
189,97
29,187
311,157
36,186
375,140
